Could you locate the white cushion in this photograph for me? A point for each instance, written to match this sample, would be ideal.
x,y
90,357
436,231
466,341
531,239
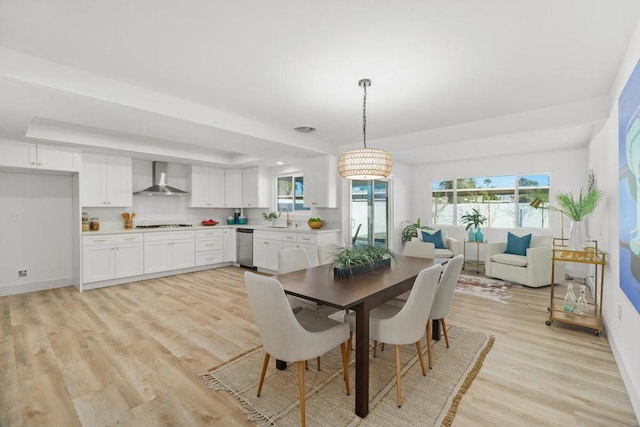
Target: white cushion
x,y
443,253
510,259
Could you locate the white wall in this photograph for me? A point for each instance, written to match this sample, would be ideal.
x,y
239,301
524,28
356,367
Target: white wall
x,y
568,171
42,239
623,332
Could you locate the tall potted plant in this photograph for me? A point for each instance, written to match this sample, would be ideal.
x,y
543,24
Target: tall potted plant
x,y
473,221
577,209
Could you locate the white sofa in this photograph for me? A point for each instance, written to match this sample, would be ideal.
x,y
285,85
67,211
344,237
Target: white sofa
x,y
452,246
532,270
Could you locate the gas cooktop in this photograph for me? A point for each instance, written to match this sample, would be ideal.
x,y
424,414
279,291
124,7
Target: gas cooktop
x,y
165,226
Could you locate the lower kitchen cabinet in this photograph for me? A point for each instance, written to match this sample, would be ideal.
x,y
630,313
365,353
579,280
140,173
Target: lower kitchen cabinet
x,y
229,245
209,247
169,251
266,245
107,257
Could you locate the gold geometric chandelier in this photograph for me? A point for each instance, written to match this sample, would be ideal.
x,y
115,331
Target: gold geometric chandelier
x,y
364,163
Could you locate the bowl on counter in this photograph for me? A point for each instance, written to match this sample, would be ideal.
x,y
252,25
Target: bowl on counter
x,y
208,222
315,224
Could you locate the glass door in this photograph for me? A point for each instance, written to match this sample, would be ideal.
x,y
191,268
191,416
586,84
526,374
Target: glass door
x,y
369,212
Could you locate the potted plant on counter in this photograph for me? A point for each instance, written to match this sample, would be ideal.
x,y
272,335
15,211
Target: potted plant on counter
x,y
349,262
270,216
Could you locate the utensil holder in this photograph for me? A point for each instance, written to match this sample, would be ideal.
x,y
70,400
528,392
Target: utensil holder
x,y
128,224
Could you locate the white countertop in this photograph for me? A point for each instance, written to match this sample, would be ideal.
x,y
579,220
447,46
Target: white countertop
x,y
304,230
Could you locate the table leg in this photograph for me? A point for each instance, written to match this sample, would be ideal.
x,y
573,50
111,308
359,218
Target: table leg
x,y
281,365
362,360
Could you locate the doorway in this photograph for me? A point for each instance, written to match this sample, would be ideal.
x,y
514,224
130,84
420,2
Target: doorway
x,y
369,212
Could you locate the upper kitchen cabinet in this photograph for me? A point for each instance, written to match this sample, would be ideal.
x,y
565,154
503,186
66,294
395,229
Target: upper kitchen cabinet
x,y
256,188
233,188
207,187
38,156
320,182
106,181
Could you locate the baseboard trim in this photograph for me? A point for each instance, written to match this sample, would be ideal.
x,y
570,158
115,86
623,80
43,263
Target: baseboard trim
x,y
37,286
634,394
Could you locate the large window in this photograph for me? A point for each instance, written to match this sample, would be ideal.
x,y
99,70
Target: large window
x,y
291,193
506,201
369,212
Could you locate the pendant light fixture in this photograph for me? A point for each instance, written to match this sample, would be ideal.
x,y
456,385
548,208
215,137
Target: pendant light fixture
x,y
364,163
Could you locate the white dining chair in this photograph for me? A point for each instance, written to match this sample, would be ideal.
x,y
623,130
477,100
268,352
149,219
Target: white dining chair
x,y
324,253
292,337
403,325
442,301
294,259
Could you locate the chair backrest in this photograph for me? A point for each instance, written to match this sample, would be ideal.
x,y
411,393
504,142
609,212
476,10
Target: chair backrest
x,y
419,249
292,259
408,325
277,325
446,288
324,253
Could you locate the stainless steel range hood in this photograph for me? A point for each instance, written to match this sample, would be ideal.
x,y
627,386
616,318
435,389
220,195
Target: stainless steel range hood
x,y
160,187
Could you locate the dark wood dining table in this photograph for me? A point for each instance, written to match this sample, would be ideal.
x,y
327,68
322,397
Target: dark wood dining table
x,y
361,294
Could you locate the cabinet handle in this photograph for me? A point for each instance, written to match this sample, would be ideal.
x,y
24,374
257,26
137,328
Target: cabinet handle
x,y
266,243
33,163
129,238
99,241
306,238
39,163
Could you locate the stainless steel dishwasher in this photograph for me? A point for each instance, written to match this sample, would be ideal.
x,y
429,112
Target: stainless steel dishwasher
x,y
244,247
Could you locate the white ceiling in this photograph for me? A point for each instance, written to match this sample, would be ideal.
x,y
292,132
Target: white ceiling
x,y
227,81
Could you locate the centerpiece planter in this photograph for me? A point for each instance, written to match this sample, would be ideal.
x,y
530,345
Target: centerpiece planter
x,y
350,262
351,272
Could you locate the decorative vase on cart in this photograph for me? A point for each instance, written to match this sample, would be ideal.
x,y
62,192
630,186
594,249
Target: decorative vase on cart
x,y
577,236
472,235
479,235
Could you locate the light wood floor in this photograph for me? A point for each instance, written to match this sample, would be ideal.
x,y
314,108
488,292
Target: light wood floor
x,y
130,355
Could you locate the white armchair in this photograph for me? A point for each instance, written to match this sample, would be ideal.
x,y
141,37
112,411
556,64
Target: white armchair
x,y
452,247
532,270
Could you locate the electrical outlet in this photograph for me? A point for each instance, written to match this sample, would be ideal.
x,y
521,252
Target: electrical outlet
x,y
16,217
22,273
619,312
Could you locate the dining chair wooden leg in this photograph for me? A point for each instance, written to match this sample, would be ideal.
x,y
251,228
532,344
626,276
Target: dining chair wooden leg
x,y
429,344
306,364
421,357
375,348
264,370
398,391
301,385
444,331
345,366
382,347
318,359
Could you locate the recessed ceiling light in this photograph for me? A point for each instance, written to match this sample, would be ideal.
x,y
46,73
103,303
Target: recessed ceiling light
x,y
279,163
305,129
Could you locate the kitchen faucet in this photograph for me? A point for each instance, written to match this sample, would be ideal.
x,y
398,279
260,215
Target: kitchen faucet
x,y
286,209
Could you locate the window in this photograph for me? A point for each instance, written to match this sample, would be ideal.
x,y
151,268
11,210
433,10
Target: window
x,y
369,212
504,200
291,193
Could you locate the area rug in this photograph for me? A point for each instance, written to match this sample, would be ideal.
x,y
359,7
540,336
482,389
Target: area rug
x,y
429,400
492,289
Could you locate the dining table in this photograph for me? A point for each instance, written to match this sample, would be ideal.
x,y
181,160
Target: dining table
x,y
361,293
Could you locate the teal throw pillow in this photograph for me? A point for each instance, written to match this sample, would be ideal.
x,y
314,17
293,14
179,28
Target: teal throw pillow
x,y
435,238
517,245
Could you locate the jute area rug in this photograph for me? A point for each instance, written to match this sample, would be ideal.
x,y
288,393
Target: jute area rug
x,y
427,401
483,287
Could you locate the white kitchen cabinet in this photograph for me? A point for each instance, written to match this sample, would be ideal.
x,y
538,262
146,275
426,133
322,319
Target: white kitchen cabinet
x,y
168,251
320,182
107,257
309,242
266,245
206,187
256,188
106,181
209,247
38,156
233,188
229,245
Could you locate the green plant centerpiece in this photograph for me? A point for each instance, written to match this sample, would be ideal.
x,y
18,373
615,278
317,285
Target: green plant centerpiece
x,y
349,262
411,231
